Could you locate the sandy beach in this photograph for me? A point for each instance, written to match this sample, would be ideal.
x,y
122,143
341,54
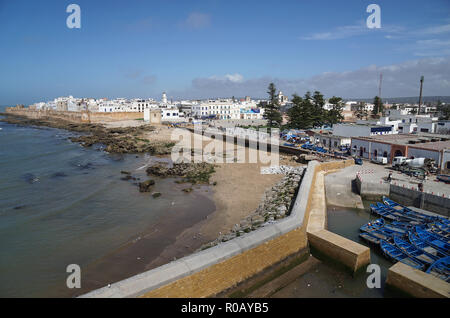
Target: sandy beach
x,y
239,189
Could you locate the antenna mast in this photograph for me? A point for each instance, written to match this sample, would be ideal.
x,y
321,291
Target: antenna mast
x,y
379,91
420,96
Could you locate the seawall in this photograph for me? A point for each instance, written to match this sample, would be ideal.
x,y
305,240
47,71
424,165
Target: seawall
x,y
76,117
209,272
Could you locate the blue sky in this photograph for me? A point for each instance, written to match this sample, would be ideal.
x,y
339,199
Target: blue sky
x,y
218,48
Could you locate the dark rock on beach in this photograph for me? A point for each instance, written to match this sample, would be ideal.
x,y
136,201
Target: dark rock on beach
x,y
30,178
146,185
195,173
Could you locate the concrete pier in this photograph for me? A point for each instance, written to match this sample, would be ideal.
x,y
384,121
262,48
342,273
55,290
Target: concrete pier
x,y
344,251
416,283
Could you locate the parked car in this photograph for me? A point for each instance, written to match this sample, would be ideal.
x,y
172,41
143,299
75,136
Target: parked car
x,y
358,161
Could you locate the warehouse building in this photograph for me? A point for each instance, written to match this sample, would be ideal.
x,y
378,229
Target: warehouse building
x,y
431,146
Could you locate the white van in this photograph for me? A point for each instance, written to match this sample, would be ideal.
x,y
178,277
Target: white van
x,y
380,160
398,161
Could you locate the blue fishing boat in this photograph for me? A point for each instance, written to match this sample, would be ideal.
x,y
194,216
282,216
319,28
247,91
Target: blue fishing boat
x,y
399,214
369,237
380,235
404,225
438,229
382,212
425,246
441,269
396,254
372,225
407,211
433,239
391,203
443,220
413,251
443,227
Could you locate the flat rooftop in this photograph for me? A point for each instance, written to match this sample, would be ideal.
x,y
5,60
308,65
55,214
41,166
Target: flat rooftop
x,y
424,141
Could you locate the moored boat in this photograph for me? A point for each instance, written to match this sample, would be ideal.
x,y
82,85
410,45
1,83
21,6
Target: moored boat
x,y
441,269
369,237
383,213
423,218
396,254
403,225
438,229
425,246
433,239
413,251
372,225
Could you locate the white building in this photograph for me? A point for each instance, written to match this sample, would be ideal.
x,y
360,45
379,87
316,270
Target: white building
x,y
443,127
361,130
167,114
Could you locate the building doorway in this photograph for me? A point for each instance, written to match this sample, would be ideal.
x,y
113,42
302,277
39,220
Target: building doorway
x,y
398,153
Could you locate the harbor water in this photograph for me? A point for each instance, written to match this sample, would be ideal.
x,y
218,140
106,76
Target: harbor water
x,y
346,222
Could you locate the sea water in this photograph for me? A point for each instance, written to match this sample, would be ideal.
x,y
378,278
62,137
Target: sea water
x,y
63,204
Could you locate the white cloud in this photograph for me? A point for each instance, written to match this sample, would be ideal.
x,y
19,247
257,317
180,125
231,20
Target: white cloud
x,y
235,78
347,31
338,33
392,32
398,80
440,29
197,20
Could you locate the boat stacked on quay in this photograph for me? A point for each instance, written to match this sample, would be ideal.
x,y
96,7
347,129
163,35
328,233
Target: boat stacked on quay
x,y
416,239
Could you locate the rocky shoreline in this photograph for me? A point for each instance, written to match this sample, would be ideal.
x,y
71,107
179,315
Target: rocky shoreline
x,y
276,204
115,140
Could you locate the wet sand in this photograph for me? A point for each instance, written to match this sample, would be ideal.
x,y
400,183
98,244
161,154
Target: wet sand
x,y
239,191
135,256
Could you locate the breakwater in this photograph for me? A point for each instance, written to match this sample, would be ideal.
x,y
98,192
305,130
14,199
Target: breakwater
x,y
76,117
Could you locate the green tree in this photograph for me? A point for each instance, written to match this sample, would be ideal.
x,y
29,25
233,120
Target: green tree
x,y
361,111
334,115
319,114
272,108
301,114
446,112
378,107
